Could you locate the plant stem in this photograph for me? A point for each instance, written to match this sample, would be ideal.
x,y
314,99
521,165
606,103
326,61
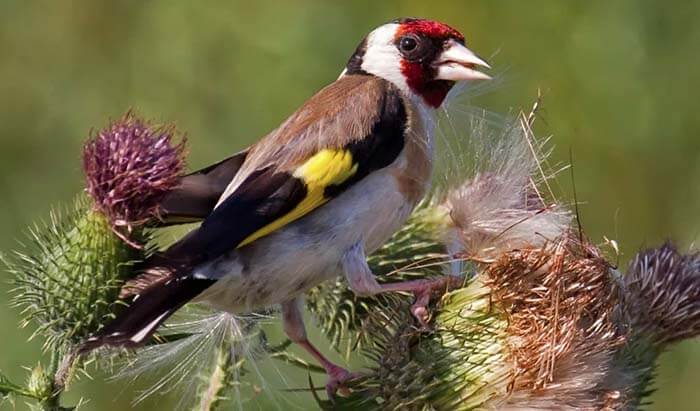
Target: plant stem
x,y
52,400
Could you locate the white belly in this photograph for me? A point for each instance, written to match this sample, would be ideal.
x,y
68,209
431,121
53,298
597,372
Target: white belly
x,y
290,261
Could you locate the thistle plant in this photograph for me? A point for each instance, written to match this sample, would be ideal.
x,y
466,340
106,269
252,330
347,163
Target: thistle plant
x,y
541,321
661,306
67,278
68,274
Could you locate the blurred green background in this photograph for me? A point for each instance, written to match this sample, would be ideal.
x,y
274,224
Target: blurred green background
x,y
620,82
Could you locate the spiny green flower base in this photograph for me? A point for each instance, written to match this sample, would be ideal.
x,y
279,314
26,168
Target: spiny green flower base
x,y
459,365
67,278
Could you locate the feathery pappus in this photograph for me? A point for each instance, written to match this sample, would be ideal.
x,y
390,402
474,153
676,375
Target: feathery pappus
x,y
312,198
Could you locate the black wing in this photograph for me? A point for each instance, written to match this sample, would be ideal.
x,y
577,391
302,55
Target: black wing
x,y
197,194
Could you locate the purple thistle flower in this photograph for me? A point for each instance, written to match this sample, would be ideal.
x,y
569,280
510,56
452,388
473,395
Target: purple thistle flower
x,y
129,167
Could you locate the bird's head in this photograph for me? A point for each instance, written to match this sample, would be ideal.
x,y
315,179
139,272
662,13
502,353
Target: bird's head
x,y
424,58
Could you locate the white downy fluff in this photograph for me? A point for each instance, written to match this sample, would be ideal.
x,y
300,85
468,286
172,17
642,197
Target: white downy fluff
x,y
496,184
182,364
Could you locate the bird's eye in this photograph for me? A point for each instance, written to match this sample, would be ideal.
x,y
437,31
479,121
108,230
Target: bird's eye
x,y
414,47
408,44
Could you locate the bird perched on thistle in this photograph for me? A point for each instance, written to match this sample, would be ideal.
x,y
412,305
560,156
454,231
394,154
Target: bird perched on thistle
x,y
309,200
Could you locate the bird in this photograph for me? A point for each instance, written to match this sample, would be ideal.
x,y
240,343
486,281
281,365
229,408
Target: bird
x,y
310,200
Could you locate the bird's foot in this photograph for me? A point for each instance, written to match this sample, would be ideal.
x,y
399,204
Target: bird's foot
x,y
337,378
337,375
363,282
419,309
423,290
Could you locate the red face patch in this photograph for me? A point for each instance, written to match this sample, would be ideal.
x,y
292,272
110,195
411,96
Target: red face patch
x,y
433,92
429,28
418,72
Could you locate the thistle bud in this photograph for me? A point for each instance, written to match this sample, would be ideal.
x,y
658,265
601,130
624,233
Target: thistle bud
x,y
663,294
129,166
661,306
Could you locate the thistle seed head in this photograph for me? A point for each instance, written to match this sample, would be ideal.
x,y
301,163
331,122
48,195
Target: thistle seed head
x,y
490,220
504,200
560,301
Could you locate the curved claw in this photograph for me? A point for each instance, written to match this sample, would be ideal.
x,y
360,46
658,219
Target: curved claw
x,y
424,289
421,313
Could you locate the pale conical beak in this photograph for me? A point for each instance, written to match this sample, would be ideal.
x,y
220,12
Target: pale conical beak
x,y
458,63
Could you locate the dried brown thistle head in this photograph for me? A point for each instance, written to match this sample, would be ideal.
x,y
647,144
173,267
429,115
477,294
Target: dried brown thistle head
x,y
560,302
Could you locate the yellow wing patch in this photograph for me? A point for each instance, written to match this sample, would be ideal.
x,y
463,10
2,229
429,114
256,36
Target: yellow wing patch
x,y
326,168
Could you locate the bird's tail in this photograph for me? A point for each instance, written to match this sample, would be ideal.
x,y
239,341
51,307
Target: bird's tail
x,y
148,310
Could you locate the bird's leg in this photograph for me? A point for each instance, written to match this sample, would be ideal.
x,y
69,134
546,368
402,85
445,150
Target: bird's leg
x,y
363,282
293,324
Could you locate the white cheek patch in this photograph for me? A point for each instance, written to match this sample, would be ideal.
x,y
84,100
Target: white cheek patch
x,y
382,58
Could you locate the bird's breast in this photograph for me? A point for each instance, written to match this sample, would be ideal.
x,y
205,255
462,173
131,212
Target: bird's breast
x,y
413,169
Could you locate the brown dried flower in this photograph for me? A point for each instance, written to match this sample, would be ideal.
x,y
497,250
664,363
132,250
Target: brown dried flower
x,y
560,301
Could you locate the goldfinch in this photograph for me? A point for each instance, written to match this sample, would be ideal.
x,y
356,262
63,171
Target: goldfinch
x,y
309,200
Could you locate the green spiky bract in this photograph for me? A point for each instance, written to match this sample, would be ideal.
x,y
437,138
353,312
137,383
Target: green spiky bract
x,y
67,277
459,365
